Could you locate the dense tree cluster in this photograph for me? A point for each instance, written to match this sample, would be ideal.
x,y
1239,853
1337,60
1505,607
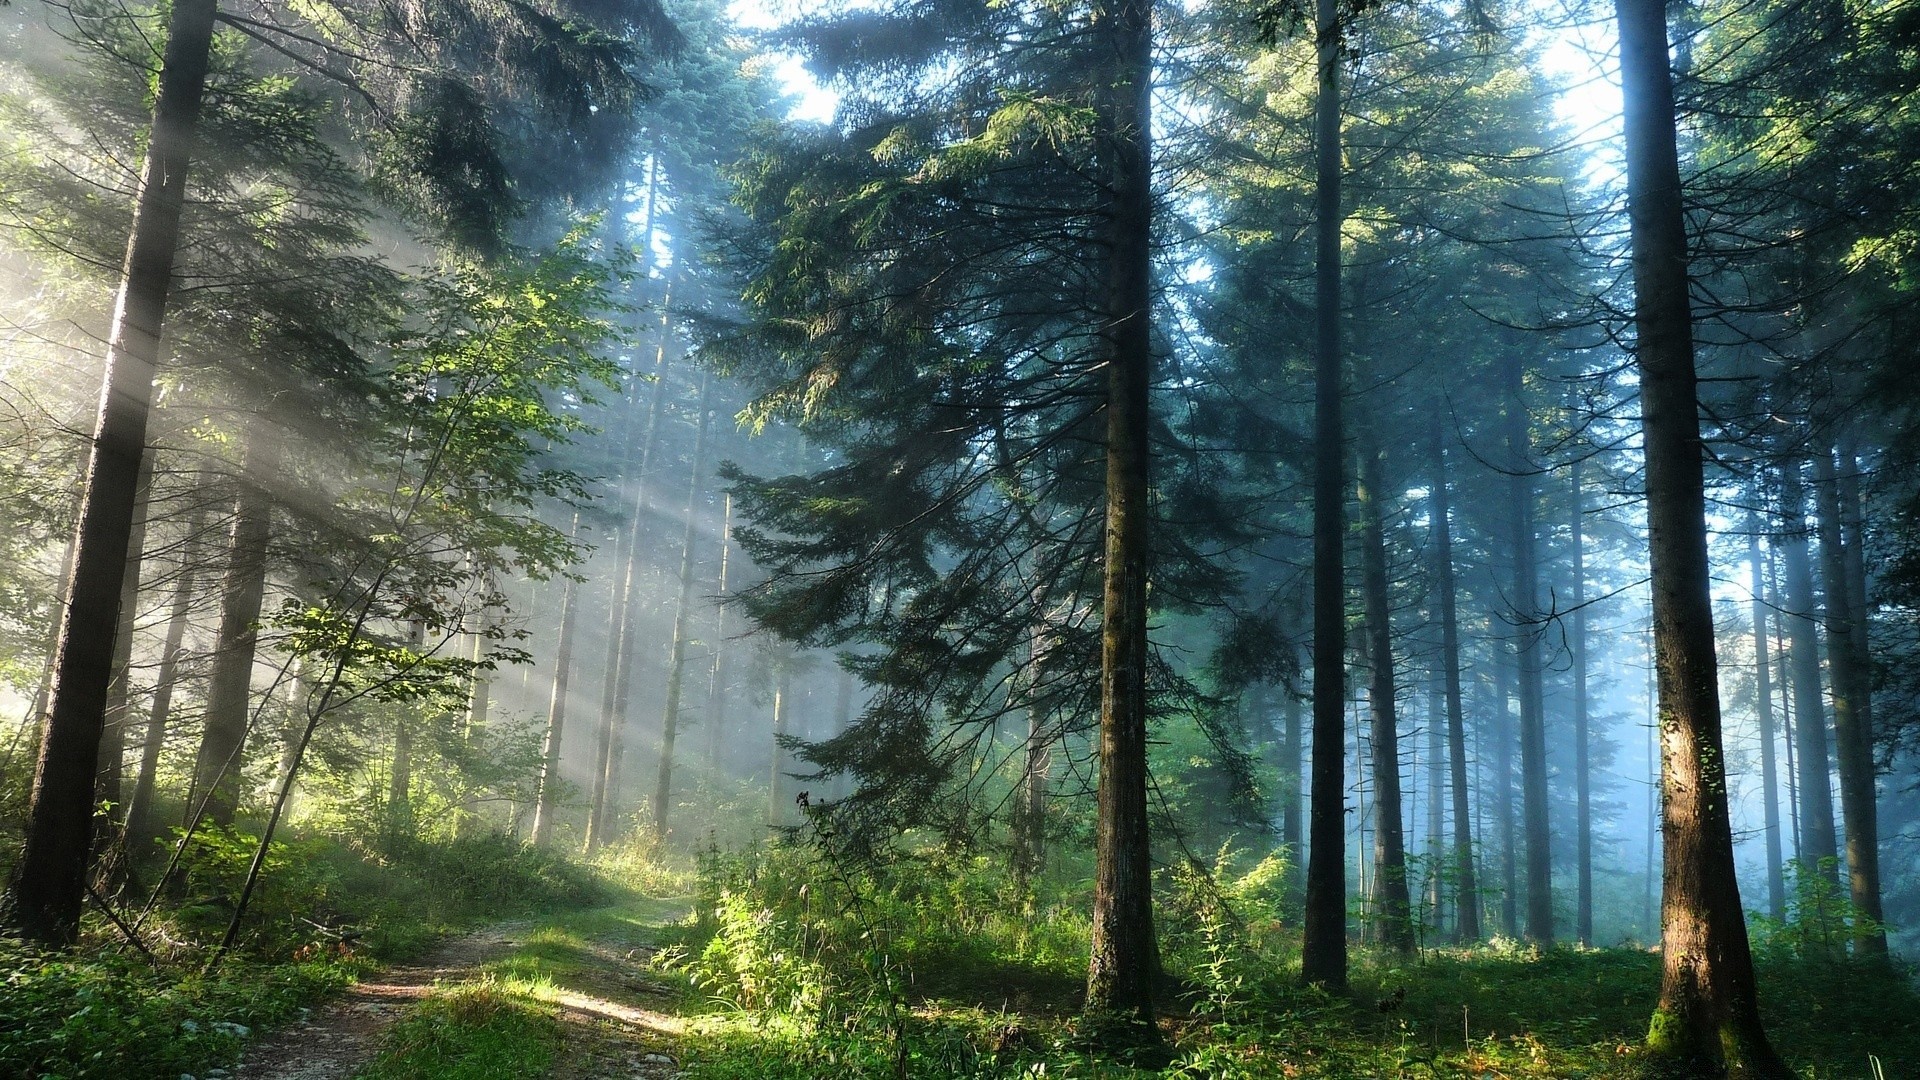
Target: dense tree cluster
x,y
1119,428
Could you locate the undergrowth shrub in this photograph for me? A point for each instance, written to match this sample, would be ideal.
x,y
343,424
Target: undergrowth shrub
x,y
118,1017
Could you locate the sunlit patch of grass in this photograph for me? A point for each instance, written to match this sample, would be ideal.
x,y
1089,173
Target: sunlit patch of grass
x,y
484,1030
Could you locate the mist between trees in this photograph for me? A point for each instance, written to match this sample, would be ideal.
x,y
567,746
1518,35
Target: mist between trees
x,y
1131,453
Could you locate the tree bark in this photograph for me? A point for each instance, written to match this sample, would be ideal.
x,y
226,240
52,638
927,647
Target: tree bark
x,y
1392,907
1708,1018
1533,721
217,769
1819,848
49,881
1853,746
682,622
1323,950
1124,957
1763,716
547,800
1467,890
1582,774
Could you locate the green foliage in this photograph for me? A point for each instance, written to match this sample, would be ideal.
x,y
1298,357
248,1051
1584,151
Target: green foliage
x,y
1821,918
477,1031
115,1017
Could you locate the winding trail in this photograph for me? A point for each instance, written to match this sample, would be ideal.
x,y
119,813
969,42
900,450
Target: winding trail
x,y
617,1022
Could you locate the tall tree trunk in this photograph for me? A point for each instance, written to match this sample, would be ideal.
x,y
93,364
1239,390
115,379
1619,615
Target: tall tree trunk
x,y
1323,950
1853,746
1533,721
217,769
682,621
119,711
49,881
1124,957
717,676
1503,792
547,800
479,701
142,824
1785,677
1436,841
1852,516
1467,891
1292,790
1393,907
782,710
1819,848
1708,1019
621,615
1763,715
1582,775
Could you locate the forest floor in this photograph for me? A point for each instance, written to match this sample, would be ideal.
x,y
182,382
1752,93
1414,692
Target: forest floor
x,y
610,993
565,996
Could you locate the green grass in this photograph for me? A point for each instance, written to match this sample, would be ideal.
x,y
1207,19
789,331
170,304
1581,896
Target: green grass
x,y
475,1031
1493,1012
505,1022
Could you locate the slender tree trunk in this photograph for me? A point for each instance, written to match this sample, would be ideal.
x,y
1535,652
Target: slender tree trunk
x,y
1393,907
1785,678
119,712
1503,793
1708,1019
1853,746
1124,958
1852,516
547,801
1292,790
400,776
1467,892
1030,840
49,880
1583,777
717,677
777,775
620,611
682,621
617,645
1323,951
1533,721
42,695
142,824
1436,842
1763,715
479,700
218,767
1819,848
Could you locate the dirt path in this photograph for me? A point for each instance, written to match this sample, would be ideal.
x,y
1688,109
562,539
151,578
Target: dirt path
x,y
618,1021
343,1034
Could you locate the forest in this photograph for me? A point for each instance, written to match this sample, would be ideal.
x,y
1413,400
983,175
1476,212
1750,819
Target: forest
x,y
1227,539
